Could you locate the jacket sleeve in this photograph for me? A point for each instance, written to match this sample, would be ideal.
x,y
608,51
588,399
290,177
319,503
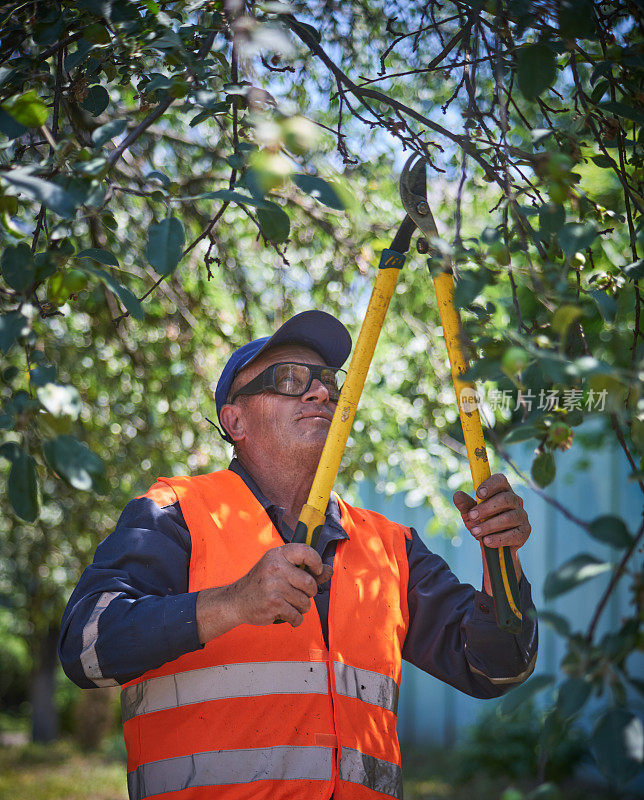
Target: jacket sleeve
x,y
131,610
453,633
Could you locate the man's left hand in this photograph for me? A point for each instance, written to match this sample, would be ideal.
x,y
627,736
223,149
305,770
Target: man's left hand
x,y
500,519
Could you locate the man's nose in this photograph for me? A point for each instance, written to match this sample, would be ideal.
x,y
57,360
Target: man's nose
x,y
317,391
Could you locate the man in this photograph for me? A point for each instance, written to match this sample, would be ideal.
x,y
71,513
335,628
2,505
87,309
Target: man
x,y
180,603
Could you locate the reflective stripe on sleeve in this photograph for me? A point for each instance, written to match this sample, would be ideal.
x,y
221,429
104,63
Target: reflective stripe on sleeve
x,y
370,687
374,773
223,682
88,656
222,767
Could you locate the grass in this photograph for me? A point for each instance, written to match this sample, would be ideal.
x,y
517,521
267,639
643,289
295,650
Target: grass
x,y
59,771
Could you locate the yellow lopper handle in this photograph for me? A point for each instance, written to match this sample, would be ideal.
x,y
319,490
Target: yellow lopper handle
x,y
499,559
313,513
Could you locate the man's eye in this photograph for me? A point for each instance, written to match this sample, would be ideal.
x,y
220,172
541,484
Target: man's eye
x,y
287,384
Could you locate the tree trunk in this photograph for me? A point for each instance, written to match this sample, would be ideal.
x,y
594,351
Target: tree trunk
x,y
44,715
96,716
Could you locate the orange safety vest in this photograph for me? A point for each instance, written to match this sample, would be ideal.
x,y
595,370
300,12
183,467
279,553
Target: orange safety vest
x,y
270,712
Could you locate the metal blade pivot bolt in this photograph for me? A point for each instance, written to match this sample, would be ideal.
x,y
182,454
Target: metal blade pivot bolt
x,y
422,245
422,208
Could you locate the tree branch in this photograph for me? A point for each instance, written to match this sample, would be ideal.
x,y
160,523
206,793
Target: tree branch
x,y
361,93
140,128
617,574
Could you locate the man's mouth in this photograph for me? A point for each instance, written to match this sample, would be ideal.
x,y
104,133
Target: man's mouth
x,y
317,415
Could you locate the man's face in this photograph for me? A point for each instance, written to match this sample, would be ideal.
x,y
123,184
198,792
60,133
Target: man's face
x,y
275,426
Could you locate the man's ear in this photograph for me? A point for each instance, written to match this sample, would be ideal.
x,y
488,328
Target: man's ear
x,y
232,422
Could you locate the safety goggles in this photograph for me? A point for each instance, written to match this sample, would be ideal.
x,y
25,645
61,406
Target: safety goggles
x,y
294,380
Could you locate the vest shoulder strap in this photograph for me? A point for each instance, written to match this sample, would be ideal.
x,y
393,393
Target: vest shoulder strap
x,y
160,493
379,521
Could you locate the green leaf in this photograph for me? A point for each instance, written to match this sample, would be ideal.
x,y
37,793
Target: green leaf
x,y
200,117
129,300
602,161
572,696
18,268
546,791
102,256
6,421
231,196
165,245
314,33
517,697
158,177
108,131
558,623
96,101
9,126
606,304
573,573
12,325
563,318
622,110
23,488
522,434
44,266
320,190
543,469
27,109
575,237
73,461
11,451
539,135
635,271
576,19
158,82
42,374
611,530
274,223
80,54
617,742
56,198
551,218
60,401
536,69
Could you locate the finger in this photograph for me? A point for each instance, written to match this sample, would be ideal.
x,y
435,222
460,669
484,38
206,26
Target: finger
x,y
287,613
301,580
492,485
503,501
500,522
512,538
463,502
303,555
299,600
327,572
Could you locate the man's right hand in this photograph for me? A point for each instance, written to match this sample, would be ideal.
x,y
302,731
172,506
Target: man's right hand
x,y
275,588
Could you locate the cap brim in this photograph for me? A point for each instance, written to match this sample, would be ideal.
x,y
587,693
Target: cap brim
x,y
315,329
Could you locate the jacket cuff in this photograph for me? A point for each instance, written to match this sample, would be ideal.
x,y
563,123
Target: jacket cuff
x,y
501,657
180,625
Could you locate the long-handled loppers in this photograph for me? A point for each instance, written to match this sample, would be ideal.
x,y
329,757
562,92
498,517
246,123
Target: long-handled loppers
x,y
413,191
499,560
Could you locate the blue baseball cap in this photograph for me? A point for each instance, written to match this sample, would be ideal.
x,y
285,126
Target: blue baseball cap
x,y
315,329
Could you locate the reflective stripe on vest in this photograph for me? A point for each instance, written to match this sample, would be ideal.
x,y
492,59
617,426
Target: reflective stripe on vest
x,y
251,680
374,773
370,687
230,766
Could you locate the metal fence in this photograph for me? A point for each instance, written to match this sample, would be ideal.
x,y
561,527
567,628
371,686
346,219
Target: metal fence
x,y
432,712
